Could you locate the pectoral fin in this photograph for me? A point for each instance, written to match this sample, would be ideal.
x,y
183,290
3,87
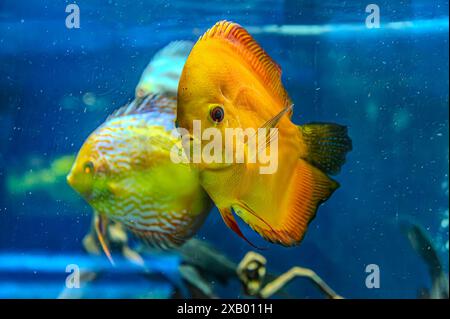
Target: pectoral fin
x,y
273,122
271,135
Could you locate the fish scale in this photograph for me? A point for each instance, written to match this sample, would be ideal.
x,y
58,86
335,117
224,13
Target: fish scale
x,y
134,181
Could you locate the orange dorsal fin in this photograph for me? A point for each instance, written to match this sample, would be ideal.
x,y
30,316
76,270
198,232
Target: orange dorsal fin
x,y
243,43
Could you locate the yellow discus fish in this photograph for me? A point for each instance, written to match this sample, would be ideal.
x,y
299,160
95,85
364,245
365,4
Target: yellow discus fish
x,y
229,81
124,171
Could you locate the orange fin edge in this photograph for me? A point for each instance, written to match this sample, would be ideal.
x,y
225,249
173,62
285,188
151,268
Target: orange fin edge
x,y
309,188
100,230
252,52
231,223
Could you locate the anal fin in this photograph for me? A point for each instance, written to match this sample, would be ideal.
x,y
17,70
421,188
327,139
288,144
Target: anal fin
x,y
288,222
309,188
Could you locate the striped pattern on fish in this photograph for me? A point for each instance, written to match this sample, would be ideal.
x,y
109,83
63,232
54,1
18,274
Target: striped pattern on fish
x,y
124,172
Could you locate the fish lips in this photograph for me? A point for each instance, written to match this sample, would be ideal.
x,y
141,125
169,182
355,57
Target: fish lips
x,y
85,192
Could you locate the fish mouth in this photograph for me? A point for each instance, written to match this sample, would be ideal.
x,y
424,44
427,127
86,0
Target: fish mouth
x,y
83,192
70,179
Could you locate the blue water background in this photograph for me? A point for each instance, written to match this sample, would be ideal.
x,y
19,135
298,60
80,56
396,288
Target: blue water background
x,y
389,86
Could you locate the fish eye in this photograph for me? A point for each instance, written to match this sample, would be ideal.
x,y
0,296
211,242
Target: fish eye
x,y
217,114
88,167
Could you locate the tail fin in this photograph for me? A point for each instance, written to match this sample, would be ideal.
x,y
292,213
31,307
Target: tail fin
x,y
327,144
